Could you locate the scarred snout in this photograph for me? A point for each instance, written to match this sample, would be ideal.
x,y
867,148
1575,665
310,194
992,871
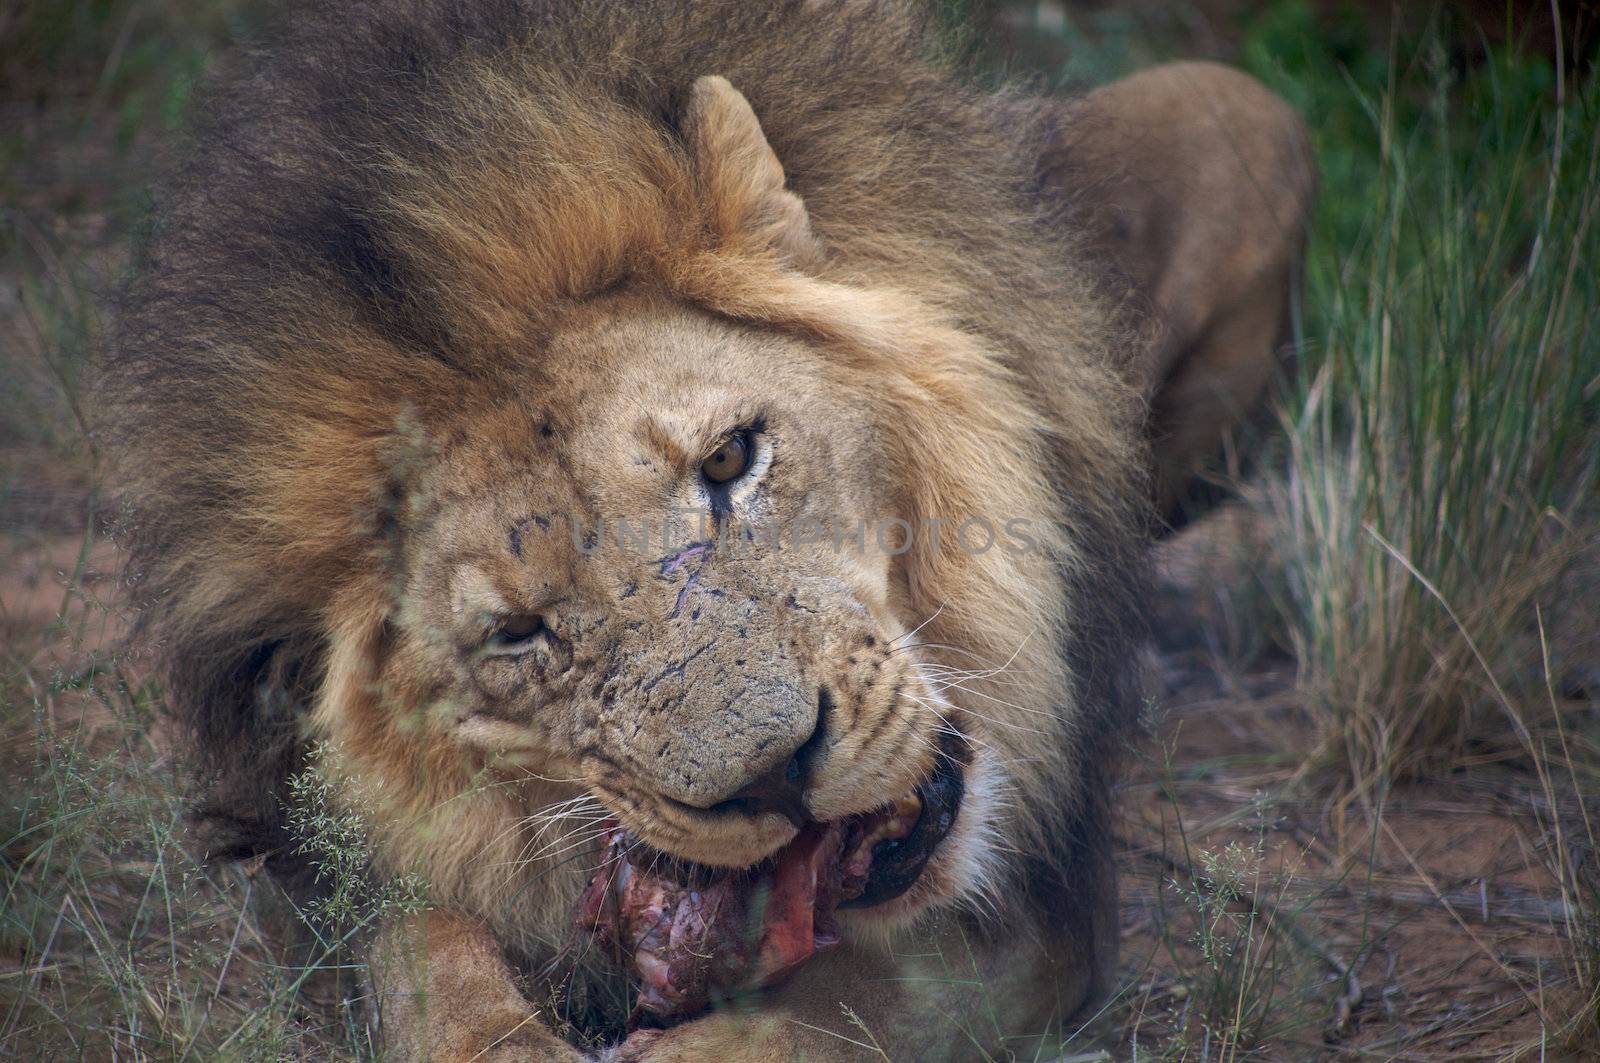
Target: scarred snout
x,y
773,780
728,725
712,747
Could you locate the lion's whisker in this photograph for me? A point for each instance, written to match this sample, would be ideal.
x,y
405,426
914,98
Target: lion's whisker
x,y
582,803
937,689
909,634
577,813
944,670
946,727
990,667
575,840
1046,713
573,824
566,810
988,719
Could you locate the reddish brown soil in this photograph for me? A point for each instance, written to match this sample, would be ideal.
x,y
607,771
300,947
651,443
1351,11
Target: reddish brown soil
x,y
1429,928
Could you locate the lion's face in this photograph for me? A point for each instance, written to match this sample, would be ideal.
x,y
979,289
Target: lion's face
x,y
593,593
641,563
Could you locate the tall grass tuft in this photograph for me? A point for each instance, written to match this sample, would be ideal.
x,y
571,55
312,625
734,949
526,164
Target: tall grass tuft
x,y
1444,440
1437,519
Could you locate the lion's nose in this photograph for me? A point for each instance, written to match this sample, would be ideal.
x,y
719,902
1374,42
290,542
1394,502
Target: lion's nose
x,y
782,789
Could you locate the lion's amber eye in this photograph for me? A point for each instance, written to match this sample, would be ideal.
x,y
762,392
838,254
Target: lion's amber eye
x,y
730,460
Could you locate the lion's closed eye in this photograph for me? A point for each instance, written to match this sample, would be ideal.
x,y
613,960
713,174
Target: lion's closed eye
x,y
514,635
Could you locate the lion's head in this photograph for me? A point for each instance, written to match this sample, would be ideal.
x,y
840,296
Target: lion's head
x,y
690,559
583,452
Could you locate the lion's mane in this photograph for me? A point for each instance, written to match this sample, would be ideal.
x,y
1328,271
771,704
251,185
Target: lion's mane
x,y
381,207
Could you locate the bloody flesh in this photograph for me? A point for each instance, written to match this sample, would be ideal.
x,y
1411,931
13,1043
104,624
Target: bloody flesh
x,y
687,937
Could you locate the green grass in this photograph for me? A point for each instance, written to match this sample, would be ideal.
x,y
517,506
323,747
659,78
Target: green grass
x,y
1444,434
127,946
90,92
115,941
1437,511
1434,506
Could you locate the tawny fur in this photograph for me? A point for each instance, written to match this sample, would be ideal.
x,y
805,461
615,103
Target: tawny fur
x,y
433,267
1213,248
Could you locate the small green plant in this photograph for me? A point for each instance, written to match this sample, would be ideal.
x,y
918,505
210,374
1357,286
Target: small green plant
x,y
334,835
1223,880
1244,979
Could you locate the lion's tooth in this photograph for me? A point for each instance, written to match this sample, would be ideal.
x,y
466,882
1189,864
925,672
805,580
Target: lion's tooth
x,y
897,822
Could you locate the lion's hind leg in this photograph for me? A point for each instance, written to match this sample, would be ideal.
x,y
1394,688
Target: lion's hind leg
x,y
1196,183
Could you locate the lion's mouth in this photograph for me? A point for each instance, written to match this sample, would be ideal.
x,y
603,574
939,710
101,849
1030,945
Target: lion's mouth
x,y
688,934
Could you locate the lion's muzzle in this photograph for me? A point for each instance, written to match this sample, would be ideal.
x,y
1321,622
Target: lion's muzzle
x,y
686,933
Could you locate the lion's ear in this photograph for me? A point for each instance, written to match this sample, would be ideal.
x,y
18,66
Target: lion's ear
x,y
742,177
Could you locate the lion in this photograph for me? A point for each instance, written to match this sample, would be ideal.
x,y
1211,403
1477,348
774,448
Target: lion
x,y
538,422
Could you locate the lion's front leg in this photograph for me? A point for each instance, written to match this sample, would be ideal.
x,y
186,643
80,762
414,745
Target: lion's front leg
x,y
946,993
445,995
